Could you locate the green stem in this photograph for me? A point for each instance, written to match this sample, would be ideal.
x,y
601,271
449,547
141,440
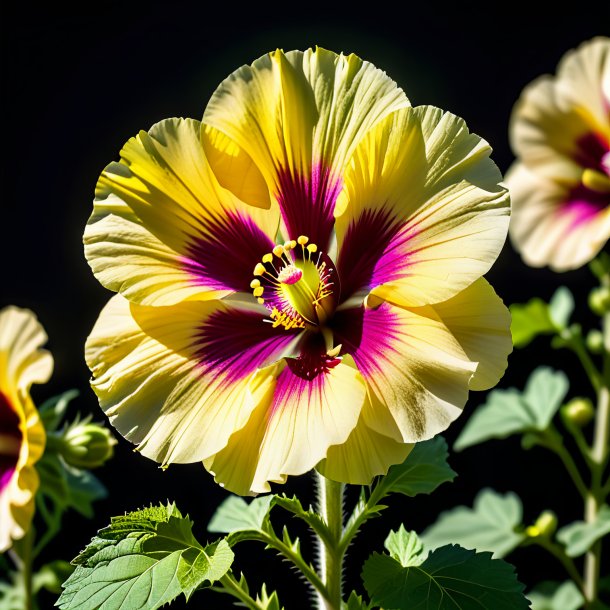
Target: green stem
x,y
558,552
599,456
22,556
574,341
331,554
231,586
553,441
53,522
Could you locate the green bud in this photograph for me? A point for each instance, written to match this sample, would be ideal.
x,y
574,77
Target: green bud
x,y
87,445
578,412
599,300
595,342
545,525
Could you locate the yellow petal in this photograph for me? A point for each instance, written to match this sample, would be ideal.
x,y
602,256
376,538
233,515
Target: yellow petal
x,y
290,432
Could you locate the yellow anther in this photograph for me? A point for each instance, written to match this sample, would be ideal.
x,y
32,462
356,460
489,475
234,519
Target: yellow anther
x,y
303,239
278,251
255,283
267,258
260,301
258,292
312,248
288,245
293,243
259,269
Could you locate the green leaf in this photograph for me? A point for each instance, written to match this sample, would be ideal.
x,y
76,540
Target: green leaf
x,y
509,411
451,578
11,594
69,487
556,596
268,602
234,514
561,307
51,575
530,320
423,471
579,537
405,547
149,557
54,409
355,602
492,524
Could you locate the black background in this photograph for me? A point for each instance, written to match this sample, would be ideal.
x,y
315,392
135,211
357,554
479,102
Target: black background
x,y
76,86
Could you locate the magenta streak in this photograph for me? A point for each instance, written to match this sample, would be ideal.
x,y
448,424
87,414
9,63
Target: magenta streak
x,y
224,257
583,205
9,426
368,335
307,204
234,343
590,150
373,252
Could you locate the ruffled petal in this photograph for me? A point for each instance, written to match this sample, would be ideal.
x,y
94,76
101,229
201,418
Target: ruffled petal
x,y
163,230
290,432
480,322
416,371
296,117
365,454
174,380
423,213
556,225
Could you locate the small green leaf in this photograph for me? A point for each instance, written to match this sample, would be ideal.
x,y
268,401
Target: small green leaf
x,y
451,578
149,557
556,596
268,602
423,471
530,320
53,410
578,537
507,412
492,524
11,594
69,487
561,307
405,547
355,602
51,575
234,514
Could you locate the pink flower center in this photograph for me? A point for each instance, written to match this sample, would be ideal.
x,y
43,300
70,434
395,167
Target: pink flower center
x,y
10,441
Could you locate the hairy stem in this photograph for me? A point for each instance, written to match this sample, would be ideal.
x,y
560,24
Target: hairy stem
x,y
599,456
331,551
231,586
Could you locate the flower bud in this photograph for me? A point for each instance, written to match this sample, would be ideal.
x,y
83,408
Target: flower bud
x,y
545,525
578,412
595,341
87,445
599,300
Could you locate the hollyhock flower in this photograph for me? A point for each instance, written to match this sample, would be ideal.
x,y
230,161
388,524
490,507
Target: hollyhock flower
x,y
560,184
22,435
299,276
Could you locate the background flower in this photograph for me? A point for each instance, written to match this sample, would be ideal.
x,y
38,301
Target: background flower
x,y
560,185
360,326
22,435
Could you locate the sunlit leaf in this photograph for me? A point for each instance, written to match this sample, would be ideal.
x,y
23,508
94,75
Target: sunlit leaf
x,y
556,596
561,307
236,514
509,411
451,578
147,557
355,602
405,547
579,537
423,471
492,524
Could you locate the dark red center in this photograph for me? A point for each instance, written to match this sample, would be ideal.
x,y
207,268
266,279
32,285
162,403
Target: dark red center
x,y
10,441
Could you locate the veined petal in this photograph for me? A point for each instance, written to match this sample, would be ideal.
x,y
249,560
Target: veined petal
x,y
174,380
365,454
290,432
416,371
556,225
480,322
560,123
22,435
423,213
163,230
297,117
